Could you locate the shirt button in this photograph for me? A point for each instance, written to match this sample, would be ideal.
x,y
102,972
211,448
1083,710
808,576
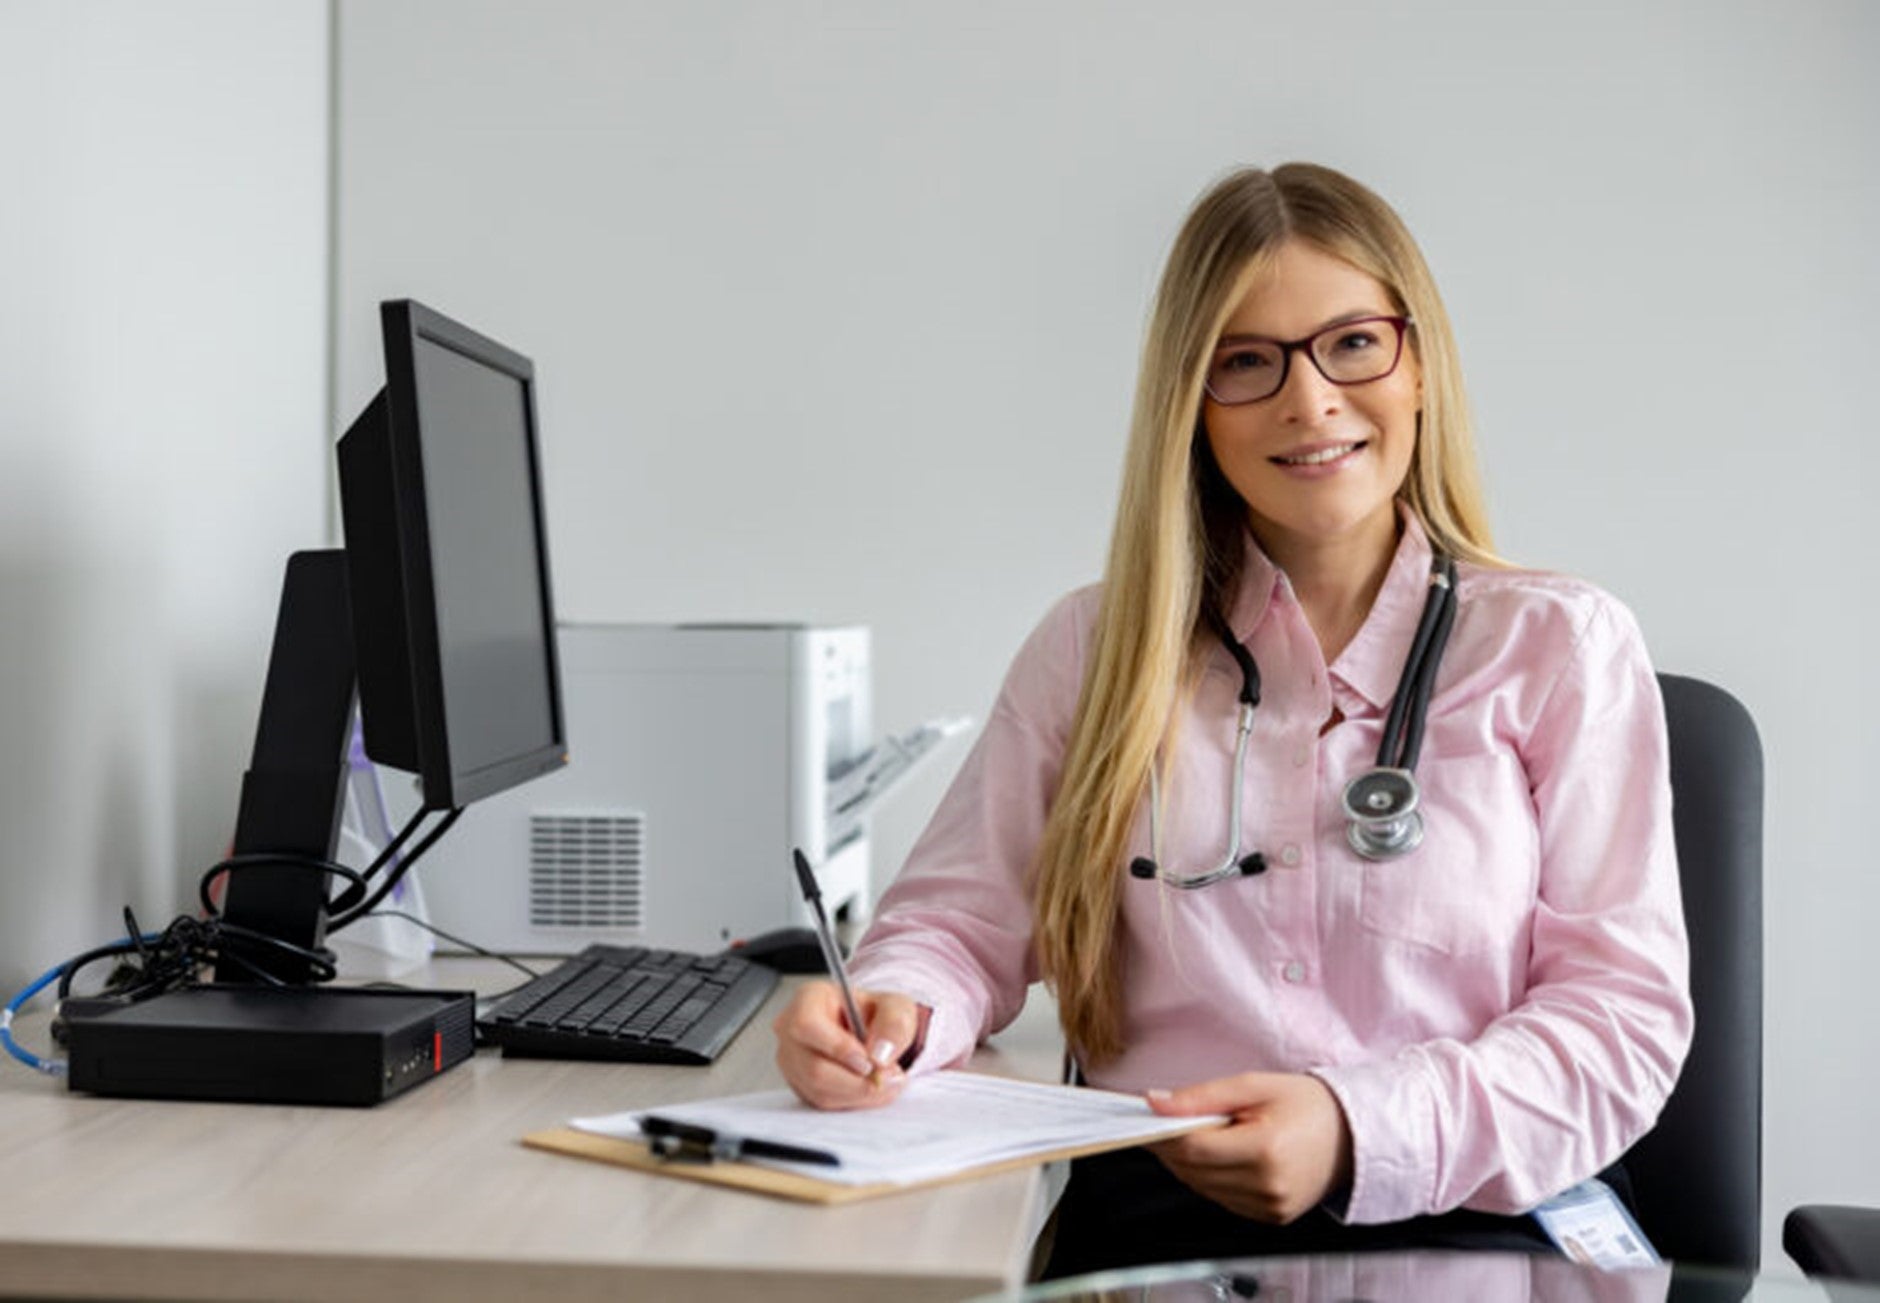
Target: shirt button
x,y
1289,855
1294,972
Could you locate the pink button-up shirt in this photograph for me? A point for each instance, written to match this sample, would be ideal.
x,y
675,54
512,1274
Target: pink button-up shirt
x,y
1500,1013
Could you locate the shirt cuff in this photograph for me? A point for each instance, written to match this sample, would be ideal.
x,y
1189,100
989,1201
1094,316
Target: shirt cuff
x,y
1394,1149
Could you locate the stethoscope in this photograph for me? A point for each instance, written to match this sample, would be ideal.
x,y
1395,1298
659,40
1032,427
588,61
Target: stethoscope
x,y
1381,805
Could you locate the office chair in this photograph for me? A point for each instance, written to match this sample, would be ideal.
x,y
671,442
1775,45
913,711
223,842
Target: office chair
x,y
1697,1175
1834,1241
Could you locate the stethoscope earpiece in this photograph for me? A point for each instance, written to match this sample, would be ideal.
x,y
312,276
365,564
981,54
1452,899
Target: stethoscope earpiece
x,y
1250,866
1381,813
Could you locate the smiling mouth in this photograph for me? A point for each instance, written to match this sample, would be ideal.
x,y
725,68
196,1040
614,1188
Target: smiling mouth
x,y
1320,456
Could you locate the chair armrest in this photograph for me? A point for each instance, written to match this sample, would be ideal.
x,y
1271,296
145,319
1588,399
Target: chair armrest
x,y
1834,1240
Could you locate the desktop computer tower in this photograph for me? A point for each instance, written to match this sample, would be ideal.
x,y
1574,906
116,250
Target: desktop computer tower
x,y
699,757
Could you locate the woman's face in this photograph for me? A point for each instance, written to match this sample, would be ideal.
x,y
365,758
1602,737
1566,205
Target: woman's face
x,y
1316,463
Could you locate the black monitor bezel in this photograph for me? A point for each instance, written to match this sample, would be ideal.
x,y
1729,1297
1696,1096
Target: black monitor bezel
x,y
404,323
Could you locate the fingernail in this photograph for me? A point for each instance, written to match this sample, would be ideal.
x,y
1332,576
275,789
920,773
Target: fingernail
x,y
859,1065
1158,1094
883,1052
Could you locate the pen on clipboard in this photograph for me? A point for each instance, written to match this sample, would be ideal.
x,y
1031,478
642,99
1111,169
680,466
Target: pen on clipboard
x,y
832,955
689,1142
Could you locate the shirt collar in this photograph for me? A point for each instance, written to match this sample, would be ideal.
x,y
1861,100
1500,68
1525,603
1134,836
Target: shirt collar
x,y
1373,660
1259,580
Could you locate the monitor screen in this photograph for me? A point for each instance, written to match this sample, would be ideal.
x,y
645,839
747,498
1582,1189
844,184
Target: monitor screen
x,y
497,667
447,555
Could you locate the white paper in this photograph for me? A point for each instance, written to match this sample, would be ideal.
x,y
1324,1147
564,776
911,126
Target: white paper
x,y
943,1123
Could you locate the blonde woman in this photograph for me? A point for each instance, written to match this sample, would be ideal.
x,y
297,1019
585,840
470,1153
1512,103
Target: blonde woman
x,y
1419,1036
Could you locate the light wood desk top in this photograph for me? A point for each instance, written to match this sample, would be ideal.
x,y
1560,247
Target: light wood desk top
x,y
430,1196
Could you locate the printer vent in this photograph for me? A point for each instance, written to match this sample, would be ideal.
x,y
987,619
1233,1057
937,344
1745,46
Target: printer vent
x,y
587,870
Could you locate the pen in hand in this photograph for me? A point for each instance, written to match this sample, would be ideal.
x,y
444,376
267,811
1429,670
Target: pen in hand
x,y
832,956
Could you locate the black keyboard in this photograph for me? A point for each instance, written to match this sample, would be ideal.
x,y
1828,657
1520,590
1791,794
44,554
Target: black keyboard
x,y
629,1003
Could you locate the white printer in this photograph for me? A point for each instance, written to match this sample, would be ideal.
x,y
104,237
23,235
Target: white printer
x,y
699,757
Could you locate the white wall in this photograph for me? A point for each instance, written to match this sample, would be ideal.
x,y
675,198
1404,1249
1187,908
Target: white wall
x,y
163,243
836,306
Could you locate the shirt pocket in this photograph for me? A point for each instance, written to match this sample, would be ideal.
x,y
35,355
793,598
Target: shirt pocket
x,y
1470,887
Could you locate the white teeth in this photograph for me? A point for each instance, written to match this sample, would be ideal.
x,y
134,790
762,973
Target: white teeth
x,y
1316,458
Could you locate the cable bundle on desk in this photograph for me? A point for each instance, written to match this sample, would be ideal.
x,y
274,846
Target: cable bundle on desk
x,y
153,963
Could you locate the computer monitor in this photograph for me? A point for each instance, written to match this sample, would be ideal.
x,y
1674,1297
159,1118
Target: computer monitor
x,y
438,611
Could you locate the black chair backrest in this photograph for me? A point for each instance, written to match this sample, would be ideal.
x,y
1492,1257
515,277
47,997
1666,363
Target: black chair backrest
x,y
1697,1175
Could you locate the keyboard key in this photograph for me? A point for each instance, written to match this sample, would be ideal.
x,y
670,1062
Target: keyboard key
x,y
680,1020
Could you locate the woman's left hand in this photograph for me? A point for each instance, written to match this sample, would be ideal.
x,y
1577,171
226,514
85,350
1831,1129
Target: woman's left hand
x,y
1287,1148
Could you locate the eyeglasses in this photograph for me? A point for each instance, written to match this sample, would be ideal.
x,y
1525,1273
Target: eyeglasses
x,y
1349,353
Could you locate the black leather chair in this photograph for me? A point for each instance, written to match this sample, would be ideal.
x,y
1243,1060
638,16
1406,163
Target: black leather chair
x,y
1834,1241
1697,1175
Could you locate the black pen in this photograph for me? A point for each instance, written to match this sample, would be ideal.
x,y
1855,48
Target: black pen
x,y
686,1140
832,955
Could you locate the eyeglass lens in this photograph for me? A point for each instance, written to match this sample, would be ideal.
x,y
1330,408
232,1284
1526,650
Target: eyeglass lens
x,y
1346,354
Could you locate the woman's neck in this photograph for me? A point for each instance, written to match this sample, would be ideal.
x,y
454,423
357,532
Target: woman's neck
x,y
1336,580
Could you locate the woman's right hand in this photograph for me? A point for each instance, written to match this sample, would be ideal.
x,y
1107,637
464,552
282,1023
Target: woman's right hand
x,y
831,1067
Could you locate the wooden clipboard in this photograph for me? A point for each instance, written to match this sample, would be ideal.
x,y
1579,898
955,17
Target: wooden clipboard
x,y
790,1185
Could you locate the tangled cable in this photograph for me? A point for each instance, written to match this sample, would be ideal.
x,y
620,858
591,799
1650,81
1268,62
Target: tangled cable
x,y
151,963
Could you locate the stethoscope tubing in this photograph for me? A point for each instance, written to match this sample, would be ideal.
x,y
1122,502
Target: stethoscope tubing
x,y
1232,866
1376,834
1403,727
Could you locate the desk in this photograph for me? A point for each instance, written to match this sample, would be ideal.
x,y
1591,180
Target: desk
x,y
1421,1277
429,1196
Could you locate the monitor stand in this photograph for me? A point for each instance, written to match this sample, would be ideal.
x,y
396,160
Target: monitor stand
x,y
294,792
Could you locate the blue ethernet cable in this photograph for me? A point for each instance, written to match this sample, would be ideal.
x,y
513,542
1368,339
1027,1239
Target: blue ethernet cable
x,y
53,1067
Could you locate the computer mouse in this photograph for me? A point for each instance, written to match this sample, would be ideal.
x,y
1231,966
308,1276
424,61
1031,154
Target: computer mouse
x,y
786,949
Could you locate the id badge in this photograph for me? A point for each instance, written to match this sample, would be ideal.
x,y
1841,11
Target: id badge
x,y
1591,1226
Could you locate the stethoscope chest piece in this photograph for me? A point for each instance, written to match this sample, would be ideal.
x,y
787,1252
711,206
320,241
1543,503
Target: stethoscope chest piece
x,y
1382,820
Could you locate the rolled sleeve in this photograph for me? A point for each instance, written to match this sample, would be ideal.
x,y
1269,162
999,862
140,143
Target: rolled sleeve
x,y
954,931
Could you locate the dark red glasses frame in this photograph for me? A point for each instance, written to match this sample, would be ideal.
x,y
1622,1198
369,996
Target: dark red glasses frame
x,y
1288,347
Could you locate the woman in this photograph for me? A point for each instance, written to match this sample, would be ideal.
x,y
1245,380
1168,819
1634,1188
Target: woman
x,y
1415,1048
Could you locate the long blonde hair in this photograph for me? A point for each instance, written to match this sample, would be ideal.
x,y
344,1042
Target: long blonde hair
x,y
1177,547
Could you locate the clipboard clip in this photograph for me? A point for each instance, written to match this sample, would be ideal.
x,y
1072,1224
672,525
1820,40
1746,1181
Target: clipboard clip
x,y
690,1145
